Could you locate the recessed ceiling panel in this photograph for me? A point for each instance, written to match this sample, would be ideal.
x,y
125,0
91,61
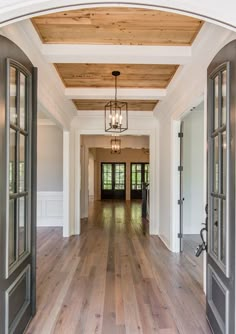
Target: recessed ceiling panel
x,y
132,76
133,105
117,26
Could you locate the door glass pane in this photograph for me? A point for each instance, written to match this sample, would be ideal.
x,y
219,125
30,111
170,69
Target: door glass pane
x,y
216,164
107,177
146,175
12,232
215,223
223,230
139,177
22,225
119,177
216,111
22,186
22,101
12,93
224,94
12,161
133,176
224,162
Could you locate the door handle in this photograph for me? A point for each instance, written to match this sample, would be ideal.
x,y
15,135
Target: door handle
x,y
203,246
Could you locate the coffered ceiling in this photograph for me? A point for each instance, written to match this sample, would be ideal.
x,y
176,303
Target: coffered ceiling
x,y
156,32
122,26
132,75
134,105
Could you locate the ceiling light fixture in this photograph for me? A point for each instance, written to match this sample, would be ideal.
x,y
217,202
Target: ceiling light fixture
x,y
116,112
115,145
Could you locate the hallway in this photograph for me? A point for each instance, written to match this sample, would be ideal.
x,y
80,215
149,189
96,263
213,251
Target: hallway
x,y
115,278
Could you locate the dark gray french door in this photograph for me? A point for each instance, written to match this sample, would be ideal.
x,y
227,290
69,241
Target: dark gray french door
x,y
18,128
221,191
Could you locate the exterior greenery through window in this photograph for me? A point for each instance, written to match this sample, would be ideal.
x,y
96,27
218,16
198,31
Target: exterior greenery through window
x,y
139,174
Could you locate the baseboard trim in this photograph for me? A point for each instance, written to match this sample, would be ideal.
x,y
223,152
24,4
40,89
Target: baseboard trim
x,y
165,241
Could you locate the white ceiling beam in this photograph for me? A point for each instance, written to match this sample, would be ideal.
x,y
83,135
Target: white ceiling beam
x,y
123,54
108,93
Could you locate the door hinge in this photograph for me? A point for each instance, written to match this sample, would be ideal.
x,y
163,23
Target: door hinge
x,y
180,168
180,201
180,134
180,235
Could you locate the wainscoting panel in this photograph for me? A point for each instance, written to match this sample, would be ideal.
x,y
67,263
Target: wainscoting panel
x,y
50,208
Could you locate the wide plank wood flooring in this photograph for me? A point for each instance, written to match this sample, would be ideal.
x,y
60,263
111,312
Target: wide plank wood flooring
x,y
190,243
114,279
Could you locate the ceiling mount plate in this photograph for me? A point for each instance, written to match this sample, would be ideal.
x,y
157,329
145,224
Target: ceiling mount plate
x,y
116,73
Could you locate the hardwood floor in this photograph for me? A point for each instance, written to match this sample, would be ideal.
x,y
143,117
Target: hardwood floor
x,y
190,243
114,278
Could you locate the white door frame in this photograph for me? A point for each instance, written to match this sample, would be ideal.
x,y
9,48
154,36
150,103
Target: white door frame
x,y
66,183
154,175
175,145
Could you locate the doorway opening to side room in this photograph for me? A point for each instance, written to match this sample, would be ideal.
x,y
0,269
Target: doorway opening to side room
x,y
192,187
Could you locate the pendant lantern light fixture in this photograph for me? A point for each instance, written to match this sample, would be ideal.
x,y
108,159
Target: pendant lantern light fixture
x,y
115,145
116,112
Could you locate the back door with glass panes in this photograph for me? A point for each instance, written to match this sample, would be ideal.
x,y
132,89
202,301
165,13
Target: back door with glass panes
x,y
113,176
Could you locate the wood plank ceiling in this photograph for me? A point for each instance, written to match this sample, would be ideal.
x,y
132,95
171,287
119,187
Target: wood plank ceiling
x,y
124,26
116,26
132,75
134,105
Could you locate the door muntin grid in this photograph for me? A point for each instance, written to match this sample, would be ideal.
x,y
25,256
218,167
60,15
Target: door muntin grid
x,y
106,176
139,174
18,161
219,142
136,176
119,175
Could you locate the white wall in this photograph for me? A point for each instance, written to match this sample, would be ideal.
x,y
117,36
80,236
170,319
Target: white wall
x,y
50,176
50,158
193,164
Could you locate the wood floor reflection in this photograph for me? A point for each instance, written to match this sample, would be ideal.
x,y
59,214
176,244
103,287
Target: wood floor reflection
x,y
114,278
